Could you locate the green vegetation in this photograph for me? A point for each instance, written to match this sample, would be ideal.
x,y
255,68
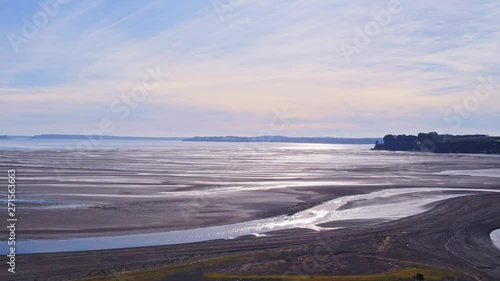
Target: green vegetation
x,y
433,142
401,274
160,273
419,276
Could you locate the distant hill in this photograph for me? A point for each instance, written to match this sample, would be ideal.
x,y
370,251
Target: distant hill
x,y
4,137
433,142
83,137
324,140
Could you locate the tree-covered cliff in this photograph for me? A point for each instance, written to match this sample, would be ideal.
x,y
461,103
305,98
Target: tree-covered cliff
x,y
433,142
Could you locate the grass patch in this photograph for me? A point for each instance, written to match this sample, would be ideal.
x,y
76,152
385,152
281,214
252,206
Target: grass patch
x,y
404,273
160,273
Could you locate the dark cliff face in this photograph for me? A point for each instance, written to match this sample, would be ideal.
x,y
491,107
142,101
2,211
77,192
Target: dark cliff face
x,y
433,142
400,143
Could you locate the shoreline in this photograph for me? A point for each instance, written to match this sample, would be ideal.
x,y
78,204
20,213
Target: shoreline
x,y
190,188
38,230
293,201
425,239
353,210
495,237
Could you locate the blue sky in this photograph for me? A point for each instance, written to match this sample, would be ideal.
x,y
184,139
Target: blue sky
x,y
236,66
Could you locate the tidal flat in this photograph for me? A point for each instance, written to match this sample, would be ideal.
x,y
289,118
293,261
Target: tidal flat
x,y
136,208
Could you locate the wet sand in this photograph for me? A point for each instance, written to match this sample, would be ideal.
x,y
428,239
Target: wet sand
x,y
461,246
110,192
495,236
371,208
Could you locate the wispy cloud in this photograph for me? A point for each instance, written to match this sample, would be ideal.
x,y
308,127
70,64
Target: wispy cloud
x,y
262,56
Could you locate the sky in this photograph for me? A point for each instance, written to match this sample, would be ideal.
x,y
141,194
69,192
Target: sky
x,y
341,68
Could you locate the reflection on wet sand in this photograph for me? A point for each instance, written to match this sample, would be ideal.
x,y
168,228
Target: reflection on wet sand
x,y
174,186
380,206
495,236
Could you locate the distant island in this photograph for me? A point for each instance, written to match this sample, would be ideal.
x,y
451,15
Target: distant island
x,y
425,142
433,142
322,140
84,137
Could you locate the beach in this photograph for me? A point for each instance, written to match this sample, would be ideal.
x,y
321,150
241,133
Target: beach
x,y
460,247
179,205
